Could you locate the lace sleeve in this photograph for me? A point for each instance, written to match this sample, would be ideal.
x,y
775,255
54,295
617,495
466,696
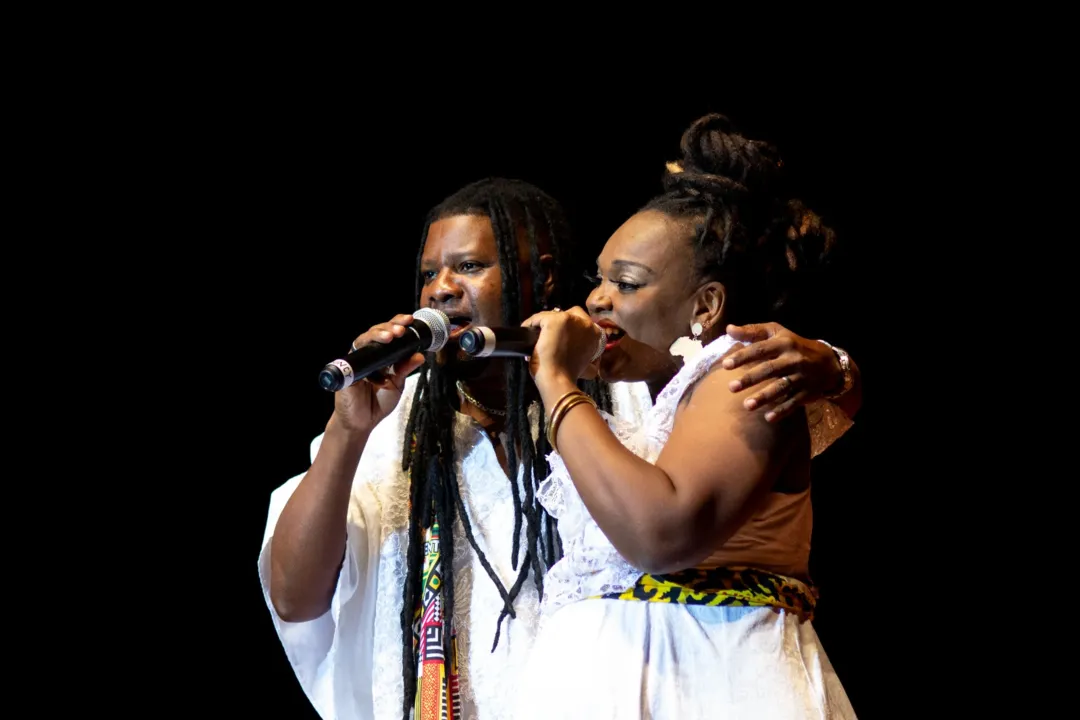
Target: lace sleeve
x,y
590,564
827,423
557,492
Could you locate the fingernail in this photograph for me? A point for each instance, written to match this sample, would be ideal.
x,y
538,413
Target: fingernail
x,y
750,404
729,363
735,386
770,416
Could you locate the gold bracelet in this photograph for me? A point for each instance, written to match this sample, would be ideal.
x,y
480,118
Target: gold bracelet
x,y
559,403
553,429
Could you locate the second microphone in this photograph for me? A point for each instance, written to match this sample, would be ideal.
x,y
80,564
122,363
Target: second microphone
x,y
506,341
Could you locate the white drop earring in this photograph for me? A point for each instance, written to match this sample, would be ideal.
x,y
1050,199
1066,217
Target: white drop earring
x,y
687,347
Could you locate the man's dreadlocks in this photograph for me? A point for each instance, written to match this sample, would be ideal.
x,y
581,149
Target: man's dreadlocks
x,y
428,453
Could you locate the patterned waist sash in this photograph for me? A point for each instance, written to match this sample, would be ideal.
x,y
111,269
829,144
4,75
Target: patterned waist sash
x,y
731,586
438,695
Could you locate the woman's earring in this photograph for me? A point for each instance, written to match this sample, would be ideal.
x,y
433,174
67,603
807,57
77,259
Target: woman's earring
x,y
687,347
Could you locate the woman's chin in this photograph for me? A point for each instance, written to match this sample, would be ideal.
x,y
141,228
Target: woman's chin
x,y
615,366
630,361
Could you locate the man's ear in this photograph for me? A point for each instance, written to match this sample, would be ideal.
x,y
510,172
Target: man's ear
x,y
547,267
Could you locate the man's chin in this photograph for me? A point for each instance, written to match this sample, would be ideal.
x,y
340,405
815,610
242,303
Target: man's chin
x,y
460,364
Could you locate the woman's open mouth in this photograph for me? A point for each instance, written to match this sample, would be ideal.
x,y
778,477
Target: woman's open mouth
x,y
614,333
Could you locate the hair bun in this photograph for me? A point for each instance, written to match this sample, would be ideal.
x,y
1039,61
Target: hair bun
x,y
717,159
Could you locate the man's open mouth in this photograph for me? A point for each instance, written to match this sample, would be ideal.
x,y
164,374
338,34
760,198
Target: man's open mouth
x,y
458,324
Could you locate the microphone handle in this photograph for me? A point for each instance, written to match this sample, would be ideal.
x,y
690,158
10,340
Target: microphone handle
x,y
500,342
376,356
373,358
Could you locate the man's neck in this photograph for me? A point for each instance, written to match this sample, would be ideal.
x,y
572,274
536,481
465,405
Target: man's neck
x,y
489,387
486,392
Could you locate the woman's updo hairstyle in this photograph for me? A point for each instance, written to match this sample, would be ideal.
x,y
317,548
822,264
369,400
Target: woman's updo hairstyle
x,y
726,189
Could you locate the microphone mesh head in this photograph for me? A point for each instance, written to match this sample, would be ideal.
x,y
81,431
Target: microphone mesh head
x,y
439,324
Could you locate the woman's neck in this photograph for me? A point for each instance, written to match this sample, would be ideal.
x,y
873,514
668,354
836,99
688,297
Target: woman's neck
x,y
655,385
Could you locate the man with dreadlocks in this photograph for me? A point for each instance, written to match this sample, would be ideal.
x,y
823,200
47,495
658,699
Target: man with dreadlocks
x,y
403,570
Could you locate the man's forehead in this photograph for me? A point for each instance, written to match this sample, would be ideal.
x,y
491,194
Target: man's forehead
x,y
459,233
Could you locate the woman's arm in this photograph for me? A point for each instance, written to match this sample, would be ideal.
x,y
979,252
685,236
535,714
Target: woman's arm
x,y
718,462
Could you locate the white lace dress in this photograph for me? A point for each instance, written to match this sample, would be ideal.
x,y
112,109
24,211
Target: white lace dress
x,y
598,658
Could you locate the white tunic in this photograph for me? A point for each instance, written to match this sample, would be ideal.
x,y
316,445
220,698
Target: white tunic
x,y
349,660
